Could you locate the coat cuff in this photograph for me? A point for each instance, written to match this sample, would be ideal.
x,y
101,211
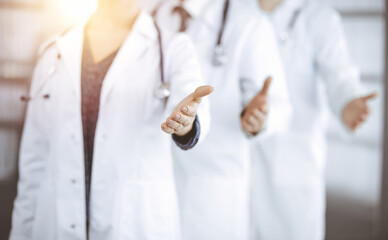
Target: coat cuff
x,y
189,140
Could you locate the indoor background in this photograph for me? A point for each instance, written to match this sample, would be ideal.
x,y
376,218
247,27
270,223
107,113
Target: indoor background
x,y
354,164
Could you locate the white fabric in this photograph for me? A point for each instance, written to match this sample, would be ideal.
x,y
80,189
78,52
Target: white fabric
x,y
213,179
287,177
133,195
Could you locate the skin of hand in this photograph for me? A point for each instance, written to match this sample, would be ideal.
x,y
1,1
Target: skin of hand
x,y
181,120
255,113
357,111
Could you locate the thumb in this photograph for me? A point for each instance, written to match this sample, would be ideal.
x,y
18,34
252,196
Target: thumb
x,y
201,92
267,83
369,97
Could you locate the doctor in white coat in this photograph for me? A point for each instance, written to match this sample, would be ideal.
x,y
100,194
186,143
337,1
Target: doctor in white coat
x,y
212,179
132,193
287,179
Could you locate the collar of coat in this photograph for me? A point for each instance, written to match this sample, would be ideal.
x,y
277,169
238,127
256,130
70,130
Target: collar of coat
x,y
205,11
285,11
70,47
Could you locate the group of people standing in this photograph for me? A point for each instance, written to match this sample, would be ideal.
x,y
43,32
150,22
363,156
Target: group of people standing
x,y
244,163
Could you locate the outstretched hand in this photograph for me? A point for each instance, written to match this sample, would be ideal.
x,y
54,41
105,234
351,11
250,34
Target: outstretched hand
x,y
256,112
357,111
180,121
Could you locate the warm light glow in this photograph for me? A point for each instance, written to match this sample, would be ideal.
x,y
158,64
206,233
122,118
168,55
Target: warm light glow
x,y
77,10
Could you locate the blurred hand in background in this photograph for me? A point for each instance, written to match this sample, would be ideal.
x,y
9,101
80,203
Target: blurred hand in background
x,y
357,111
255,114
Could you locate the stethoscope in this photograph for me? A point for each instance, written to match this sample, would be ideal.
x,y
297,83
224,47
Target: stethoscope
x,y
285,36
162,91
219,54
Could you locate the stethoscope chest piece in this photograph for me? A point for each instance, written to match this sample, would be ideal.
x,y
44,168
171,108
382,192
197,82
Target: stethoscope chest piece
x,y
219,56
163,91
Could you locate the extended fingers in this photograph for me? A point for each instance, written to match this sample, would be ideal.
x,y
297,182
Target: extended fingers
x,y
174,124
256,119
247,126
257,113
260,115
253,121
361,118
363,113
182,119
370,96
188,110
167,129
263,108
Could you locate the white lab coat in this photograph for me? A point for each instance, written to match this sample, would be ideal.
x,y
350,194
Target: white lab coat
x,y
287,178
133,193
213,179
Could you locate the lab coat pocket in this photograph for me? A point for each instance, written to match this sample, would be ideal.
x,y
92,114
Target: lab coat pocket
x,y
149,211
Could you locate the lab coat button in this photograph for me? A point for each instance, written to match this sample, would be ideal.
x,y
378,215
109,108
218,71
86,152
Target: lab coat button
x,y
73,226
72,136
73,181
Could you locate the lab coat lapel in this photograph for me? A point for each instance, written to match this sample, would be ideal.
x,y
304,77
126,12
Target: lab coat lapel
x,y
283,14
70,47
206,11
133,48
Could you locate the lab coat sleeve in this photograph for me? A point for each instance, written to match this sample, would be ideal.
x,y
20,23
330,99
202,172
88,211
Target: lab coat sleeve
x,y
32,159
333,62
183,73
260,59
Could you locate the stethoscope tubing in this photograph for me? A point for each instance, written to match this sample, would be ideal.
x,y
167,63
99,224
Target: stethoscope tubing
x,y
291,25
161,53
225,13
162,92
